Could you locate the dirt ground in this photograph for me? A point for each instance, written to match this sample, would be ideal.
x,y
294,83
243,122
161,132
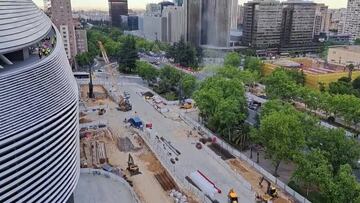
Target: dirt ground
x,y
145,184
253,178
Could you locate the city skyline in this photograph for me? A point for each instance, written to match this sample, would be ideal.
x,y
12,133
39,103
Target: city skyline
x,y
140,4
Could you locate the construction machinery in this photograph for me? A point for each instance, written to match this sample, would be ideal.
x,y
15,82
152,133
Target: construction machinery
x,y
101,111
124,104
232,196
186,106
132,167
271,191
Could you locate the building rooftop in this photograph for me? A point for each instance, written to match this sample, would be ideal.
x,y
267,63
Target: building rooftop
x,y
104,187
353,48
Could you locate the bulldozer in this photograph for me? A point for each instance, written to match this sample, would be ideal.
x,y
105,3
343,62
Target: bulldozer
x,y
124,104
271,191
132,167
232,196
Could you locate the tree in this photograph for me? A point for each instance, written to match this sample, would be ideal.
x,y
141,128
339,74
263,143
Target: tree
x,y
188,85
346,186
357,41
297,76
246,76
337,148
253,64
183,53
146,71
84,59
356,83
282,136
312,170
341,87
127,55
279,85
344,79
351,69
232,59
222,104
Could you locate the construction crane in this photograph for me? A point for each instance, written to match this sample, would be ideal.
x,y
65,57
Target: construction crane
x,y
103,52
232,196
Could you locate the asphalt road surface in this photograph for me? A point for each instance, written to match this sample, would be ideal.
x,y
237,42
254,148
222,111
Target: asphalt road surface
x,y
191,159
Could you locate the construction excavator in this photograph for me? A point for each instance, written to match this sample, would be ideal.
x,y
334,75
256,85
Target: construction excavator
x,y
132,167
232,196
271,191
124,104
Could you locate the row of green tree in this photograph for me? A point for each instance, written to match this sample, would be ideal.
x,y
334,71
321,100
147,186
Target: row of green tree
x,y
168,81
184,54
324,157
119,47
282,85
221,98
345,86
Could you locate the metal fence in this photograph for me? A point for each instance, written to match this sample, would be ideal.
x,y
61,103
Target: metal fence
x,y
243,157
112,177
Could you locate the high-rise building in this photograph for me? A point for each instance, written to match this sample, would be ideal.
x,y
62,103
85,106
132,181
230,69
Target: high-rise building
x,y
178,2
234,14
352,24
298,22
155,28
287,26
337,20
61,16
193,21
39,124
215,22
153,9
240,16
117,8
176,26
262,24
322,20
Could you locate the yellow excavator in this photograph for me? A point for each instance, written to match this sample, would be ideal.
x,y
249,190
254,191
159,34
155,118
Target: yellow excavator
x,y
271,191
233,197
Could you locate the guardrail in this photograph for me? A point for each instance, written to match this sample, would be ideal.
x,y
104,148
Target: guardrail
x,y
243,157
112,177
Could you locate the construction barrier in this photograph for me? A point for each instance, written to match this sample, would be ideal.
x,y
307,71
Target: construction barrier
x,y
243,157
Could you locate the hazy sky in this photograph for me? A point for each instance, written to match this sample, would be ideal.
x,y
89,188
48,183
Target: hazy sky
x,y
102,4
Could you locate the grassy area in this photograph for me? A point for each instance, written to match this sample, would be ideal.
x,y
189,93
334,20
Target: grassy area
x,y
313,196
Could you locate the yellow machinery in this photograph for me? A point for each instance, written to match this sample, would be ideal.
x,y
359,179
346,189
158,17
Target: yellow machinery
x,y
233,197
132,167
271,191
186,106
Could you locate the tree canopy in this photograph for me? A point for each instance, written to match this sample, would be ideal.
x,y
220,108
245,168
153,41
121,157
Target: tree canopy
x,y
128,55
232,59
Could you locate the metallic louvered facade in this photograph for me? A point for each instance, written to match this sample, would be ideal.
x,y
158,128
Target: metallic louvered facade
x,y
39,130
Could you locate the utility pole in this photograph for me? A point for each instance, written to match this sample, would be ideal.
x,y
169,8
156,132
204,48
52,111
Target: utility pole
x,y
91,86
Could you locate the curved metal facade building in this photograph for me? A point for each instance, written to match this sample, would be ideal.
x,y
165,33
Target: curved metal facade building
x,y
39,130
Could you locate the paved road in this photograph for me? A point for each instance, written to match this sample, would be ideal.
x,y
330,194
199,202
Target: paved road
x,y
191,159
